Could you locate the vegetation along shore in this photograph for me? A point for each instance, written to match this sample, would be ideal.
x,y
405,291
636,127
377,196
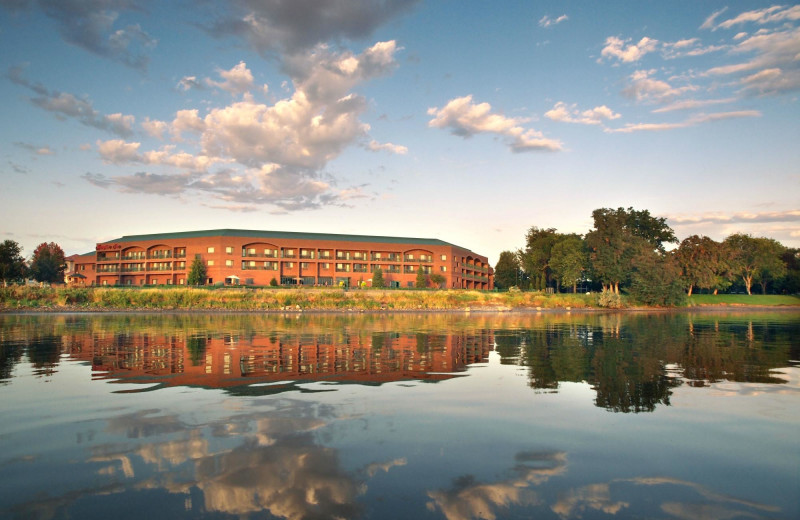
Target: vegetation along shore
x,y
60,299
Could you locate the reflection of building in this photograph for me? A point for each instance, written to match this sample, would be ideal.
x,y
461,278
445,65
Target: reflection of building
x,y
223,361
245,257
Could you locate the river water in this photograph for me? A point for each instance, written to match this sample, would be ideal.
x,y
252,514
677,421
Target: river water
x,y
441,416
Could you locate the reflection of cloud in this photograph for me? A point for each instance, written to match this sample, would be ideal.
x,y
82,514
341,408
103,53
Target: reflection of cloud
x,y
374,468
595,496
144,424
470,499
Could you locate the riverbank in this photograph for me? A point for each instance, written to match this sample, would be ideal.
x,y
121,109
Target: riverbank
x,y
116,299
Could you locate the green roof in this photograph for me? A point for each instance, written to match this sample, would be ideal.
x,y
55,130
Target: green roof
x,y
248,233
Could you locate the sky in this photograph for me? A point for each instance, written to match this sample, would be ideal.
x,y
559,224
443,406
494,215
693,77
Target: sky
x,y
467,121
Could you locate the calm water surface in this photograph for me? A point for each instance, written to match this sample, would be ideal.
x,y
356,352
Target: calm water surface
x,y
451,416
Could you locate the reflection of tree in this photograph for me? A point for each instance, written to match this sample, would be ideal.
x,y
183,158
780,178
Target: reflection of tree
x,y
625,357
196,345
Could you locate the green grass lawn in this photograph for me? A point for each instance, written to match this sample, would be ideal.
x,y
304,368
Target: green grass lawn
x,y
743,299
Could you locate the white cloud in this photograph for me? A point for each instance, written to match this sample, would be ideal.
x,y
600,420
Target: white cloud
x,y
237,80
465,118
375,146
773,14
644,88
546,21
692,121
273,153
689,104
616,48
711,20
570,114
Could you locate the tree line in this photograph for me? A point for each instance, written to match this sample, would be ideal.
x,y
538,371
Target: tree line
x,y
47,264
626,251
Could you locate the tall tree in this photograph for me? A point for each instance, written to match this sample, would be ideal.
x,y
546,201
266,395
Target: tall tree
x,y
197,272
377,278
568,260
619,235
422,280
538,248
702,263
754,259
507,271
656,279
12,263
48,263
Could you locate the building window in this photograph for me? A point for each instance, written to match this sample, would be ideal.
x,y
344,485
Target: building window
x,y
444,257
169,281
305,265
229,250
288,265
210,250
444,269
229,263
210,263
325,265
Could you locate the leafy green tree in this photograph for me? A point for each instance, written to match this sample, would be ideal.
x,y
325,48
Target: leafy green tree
x,y
12,263
273,282
437,280
507,271
702,263
377,278
754,259
536,256
568,260
48,263
422,279
773,266
197,272
656,279
618,236
790,284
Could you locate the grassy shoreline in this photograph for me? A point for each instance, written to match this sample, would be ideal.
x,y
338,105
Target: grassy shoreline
x,y
99,299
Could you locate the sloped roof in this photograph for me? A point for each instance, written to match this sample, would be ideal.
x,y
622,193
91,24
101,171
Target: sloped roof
x,y
248,233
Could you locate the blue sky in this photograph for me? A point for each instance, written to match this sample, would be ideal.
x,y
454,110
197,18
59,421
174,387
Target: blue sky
x,y
467,121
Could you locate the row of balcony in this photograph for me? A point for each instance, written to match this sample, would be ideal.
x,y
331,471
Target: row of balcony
x,y
136,269
134,257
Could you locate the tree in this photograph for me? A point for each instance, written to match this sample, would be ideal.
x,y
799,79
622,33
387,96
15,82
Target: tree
x,y
656,279
422,280
702,263
507,271
48,263
568,260
12,263
618,236
197,272
536,256
377,278
437,280
754,259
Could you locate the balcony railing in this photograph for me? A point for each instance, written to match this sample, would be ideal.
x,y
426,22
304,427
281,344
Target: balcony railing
x,y
108,259
132,269
259,255
388,258
159,268
140,256
418,260
159,255
108,269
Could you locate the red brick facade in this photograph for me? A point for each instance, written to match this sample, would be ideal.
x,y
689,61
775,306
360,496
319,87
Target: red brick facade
x,y
242,257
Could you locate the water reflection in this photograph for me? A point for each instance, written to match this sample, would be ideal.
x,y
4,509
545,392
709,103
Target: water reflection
x,y
256,416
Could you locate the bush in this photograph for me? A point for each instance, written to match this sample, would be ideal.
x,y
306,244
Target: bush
x,y
609,300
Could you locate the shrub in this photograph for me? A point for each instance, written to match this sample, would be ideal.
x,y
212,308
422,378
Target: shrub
x,y
609,300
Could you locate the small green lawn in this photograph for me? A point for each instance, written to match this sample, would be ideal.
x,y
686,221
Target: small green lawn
x,y
743,299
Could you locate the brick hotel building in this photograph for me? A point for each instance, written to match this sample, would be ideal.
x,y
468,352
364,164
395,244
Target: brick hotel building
x,y
245,257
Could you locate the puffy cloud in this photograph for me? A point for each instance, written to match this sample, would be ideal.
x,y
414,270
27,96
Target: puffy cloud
x,y
90,25
644,88
273,153
293,26
616,48
237,80
66,106
465,119
546,21
375,146
570,114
